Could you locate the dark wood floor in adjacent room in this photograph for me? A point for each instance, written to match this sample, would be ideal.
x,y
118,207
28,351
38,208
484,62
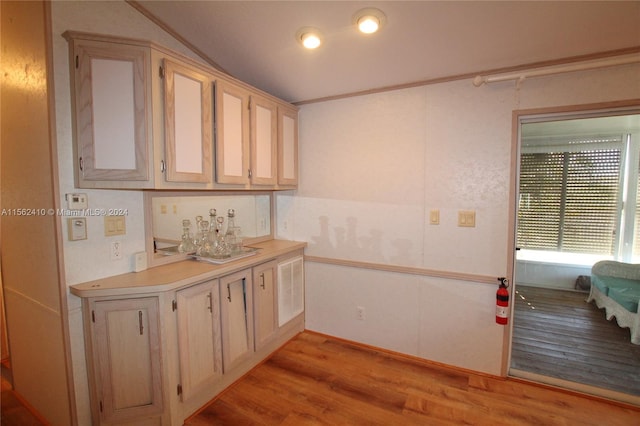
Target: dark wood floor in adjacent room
x,y
556,333
316,380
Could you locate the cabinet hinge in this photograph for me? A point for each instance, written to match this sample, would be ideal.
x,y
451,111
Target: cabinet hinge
x,y
93,316
179,389
161,72
77,62
174,305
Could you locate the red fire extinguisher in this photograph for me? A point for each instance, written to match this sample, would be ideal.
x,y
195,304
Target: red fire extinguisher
x,y
502,301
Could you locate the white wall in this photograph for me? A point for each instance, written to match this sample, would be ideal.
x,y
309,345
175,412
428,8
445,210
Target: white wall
x,y
372,167
89,259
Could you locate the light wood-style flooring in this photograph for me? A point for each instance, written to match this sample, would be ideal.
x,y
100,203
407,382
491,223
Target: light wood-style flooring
x,y
12,411
318,380
556,333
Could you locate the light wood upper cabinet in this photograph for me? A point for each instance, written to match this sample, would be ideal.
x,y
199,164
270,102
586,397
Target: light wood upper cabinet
x,y
232,133
264,135
199,337
265,303
287,146
111,97
237,318
187,123
146,117
126,359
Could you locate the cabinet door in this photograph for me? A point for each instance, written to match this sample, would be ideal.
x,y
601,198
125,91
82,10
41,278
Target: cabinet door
x,y
237,318
232,134
264,141
264,302
287,146
112,111
290,289
199,337
188,124
127,358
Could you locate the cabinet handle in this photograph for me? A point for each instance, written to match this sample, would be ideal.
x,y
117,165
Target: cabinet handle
x,y
163,166
229,292
210,302
140,322
250,174
262,278
81,164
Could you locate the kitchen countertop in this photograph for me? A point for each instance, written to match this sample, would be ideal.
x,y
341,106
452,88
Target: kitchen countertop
x,y
179,274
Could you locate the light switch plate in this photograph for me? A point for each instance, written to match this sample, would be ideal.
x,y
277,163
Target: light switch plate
x,y
114,225
434,217
467,218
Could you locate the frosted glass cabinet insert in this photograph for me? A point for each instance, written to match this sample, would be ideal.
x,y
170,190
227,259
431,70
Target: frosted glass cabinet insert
x,y
188,124
111,98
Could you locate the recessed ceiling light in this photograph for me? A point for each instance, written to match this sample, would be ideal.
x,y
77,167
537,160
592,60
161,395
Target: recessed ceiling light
x,y
309,37
369,20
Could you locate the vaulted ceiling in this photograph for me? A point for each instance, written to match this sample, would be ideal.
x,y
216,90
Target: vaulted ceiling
x,y
255,41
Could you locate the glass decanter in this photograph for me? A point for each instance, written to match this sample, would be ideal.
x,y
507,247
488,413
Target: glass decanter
x,y
186,244
220,248
203,245
232,236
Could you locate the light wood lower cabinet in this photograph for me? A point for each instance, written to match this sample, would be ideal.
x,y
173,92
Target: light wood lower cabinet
x,y
237,318
156,358
265,303
199,337
126,360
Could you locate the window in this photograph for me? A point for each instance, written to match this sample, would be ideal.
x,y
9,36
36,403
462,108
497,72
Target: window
x,y
569,197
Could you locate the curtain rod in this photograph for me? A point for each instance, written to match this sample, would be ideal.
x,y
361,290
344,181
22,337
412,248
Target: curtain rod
x,y
480,80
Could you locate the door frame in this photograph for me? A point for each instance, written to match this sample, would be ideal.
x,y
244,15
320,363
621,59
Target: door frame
x,y
624,107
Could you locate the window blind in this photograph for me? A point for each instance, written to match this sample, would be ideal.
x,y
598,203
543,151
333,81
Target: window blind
x,y
569,200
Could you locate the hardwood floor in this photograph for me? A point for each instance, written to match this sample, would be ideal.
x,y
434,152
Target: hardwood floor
x,y
12,411
556,333
317,380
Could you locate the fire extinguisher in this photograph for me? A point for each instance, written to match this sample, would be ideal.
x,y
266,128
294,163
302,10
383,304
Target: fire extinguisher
x,y
502,301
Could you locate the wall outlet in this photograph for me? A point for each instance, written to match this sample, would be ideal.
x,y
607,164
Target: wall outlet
x,y
360,313
116,250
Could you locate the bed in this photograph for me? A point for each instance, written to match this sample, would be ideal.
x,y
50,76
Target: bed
x,y
615,286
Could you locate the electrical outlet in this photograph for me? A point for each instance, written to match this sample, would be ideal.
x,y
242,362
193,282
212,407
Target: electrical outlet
x,y
116,250
360,313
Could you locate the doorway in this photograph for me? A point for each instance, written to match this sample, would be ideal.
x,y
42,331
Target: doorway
x,y
576,203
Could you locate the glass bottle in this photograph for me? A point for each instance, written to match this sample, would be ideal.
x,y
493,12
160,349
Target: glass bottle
x,y
212,220
213,229
186,244
203,246
232,236
198,235
220,249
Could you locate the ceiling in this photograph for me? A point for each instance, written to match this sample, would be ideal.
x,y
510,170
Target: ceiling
x,y
420,41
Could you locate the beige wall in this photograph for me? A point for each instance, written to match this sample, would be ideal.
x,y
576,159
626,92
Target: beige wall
x,y
36,312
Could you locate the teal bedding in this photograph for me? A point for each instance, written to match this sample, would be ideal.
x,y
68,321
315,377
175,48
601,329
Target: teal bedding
x,y
623,290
